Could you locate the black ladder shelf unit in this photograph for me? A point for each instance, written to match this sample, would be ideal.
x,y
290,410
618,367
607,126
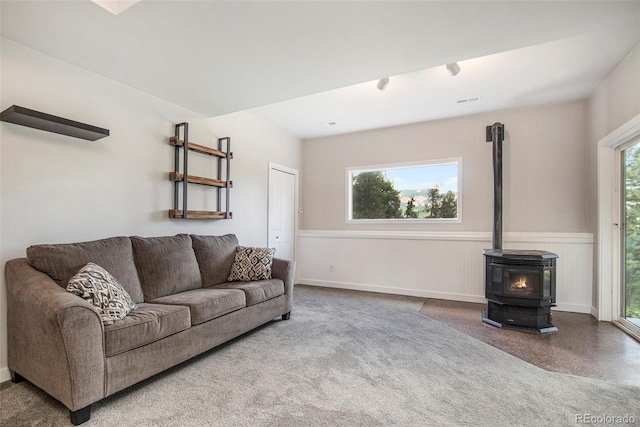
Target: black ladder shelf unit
x,y
223,159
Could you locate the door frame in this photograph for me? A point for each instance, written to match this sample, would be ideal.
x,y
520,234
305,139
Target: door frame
x,y
609,281
280,168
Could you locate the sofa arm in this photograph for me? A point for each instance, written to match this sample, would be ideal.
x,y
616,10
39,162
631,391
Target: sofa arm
x,y
284,270
55,339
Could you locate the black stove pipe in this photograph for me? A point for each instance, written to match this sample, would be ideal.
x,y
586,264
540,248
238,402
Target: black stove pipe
x,y
495,134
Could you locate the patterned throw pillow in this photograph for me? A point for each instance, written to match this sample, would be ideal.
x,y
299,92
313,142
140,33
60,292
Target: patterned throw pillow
x,y
252,264
94,284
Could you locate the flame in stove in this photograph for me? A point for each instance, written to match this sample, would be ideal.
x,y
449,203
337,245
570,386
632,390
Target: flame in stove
x,y
519,284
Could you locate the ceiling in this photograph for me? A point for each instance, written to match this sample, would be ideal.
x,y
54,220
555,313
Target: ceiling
x,y
323,58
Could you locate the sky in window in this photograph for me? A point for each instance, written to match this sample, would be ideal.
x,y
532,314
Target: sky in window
x,y
413,178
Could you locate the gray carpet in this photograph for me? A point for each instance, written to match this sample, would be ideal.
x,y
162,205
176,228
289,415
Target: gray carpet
x,y
344,359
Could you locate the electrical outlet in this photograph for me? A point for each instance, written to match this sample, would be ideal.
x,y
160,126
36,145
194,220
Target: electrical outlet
x,y
331,268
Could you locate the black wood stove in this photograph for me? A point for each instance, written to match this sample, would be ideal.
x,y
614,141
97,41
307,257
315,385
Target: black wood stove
x,y
520,285
520,289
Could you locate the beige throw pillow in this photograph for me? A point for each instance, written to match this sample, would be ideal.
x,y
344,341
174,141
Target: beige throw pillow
x,y
94,284
252,264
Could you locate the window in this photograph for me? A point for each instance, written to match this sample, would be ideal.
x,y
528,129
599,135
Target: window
x,y
419,191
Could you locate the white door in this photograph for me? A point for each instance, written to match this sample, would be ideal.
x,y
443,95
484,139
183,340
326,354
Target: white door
x,y
282,210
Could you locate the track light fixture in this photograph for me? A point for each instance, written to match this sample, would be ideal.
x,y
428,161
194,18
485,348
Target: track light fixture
x,y
382,83
453,68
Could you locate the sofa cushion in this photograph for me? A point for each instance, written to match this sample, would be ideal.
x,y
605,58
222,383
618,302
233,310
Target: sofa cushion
x,y
215,255
166,265
258,291
62,261
148,323
94,284
251,264
206,304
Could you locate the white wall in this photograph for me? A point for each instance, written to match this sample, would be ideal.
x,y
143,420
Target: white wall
x,y
617,98
612,104
545,173
57,189
544,206
443,265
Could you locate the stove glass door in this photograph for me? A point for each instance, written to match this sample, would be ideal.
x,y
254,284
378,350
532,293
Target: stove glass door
x,y
522,282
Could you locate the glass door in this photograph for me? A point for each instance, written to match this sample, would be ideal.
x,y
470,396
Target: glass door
x,y
629,315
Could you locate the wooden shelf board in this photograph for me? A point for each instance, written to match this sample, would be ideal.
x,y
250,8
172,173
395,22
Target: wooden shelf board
x,y
197,147
192,179
173,213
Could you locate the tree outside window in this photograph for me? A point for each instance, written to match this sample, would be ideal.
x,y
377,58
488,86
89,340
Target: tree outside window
x,y
428,191
632,232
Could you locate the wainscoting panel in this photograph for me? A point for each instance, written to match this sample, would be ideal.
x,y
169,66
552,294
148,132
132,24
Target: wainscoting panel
x,y
435,265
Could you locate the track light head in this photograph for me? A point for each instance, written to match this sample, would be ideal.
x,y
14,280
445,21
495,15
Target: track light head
x,y
453,68
382,83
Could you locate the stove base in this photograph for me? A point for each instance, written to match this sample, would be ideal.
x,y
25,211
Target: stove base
x,y
541,330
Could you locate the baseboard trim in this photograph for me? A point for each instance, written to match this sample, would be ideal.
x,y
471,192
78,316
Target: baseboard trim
x,y
594,312
4,375
396,291
574,308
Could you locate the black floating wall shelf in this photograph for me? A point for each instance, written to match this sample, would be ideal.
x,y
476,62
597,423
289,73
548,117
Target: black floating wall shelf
x,y
43,121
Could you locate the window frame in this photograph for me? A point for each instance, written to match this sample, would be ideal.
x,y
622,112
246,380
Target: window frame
x,y
383,167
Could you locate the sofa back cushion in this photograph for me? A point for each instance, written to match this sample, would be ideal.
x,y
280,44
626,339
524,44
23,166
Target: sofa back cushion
x,y
62,261
166,265
215,255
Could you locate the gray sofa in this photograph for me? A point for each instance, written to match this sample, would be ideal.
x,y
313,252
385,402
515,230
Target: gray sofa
x,y
185,306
